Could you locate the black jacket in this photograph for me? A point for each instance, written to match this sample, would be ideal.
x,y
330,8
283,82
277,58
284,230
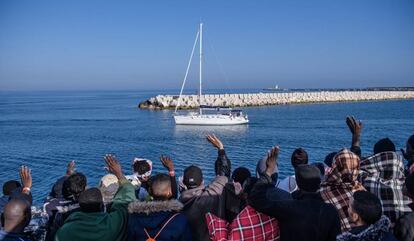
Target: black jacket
x,y
306,217
404,228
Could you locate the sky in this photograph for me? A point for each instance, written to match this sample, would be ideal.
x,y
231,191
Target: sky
x,y
146,45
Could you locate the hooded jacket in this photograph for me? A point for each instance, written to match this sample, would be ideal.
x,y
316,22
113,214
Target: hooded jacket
x,y
378,231
103,226
151,216
203,199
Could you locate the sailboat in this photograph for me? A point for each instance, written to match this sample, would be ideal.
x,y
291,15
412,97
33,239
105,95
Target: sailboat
x,y
204,116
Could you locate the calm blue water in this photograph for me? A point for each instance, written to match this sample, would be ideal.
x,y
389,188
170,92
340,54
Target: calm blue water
x,y
47,129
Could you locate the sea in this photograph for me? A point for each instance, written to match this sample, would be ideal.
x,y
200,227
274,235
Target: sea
x,y
45,130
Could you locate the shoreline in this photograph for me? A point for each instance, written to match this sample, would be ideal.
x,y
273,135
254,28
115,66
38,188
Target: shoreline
x,y
161,102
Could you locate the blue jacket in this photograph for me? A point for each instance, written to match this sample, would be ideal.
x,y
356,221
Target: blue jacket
x,y
152,216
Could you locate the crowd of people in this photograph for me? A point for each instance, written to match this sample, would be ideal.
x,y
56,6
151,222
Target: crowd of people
x,y
348,196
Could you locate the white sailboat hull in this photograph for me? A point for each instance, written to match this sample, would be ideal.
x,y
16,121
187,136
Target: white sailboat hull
x,y
211,120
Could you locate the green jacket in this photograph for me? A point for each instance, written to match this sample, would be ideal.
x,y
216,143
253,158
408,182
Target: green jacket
x,y
110,226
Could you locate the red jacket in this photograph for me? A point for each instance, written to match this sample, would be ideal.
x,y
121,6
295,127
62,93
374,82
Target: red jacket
x,y
248,225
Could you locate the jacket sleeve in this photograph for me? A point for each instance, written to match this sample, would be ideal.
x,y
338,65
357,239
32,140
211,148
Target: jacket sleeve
x,y
222,165
259,199
174,187
216,187
119,209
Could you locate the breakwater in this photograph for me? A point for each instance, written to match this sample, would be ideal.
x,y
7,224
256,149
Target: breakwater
x,y
261,99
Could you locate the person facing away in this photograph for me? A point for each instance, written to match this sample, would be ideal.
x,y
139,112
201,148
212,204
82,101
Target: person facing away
x,y
365,212
383,175
59,209
340,184
8,188
17,211
160,219
408,154
199,199
299,157
92,222
404,228
307,217
248,224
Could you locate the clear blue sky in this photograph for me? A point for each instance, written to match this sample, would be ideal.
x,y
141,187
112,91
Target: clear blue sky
x,y
130,44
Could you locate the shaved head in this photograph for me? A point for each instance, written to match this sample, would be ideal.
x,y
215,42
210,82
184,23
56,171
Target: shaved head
x,y
160,187
17,214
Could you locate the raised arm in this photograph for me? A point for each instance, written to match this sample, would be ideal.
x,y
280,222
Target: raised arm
x,y
264,196
168,163
126,192
222,166
355,126
26,179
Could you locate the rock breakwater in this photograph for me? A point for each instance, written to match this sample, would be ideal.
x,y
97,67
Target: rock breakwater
x,y
261,99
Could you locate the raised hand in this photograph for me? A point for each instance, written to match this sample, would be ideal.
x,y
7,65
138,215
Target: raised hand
x,y
271,160
26,178
167,162
215,141
354,125
114,166
70,169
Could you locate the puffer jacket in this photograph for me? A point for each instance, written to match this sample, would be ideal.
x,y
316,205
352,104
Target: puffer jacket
x,y
147,219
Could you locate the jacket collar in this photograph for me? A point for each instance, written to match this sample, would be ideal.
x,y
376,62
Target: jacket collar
x,y
372,232
155,206
301,195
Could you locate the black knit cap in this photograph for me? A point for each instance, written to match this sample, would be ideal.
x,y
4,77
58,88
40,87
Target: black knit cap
x,y
308,178
193,177
384,145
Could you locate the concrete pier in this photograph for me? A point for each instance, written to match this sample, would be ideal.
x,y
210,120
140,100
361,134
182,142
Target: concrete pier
x,y
280,98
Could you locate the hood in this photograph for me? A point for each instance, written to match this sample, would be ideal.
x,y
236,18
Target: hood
x,y
373,232
384,166
153,214
155,206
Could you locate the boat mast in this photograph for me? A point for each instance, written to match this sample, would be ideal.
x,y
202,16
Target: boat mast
x,y
201,62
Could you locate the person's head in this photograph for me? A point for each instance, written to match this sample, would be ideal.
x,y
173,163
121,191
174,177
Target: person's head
x,y
299,157
384,145
329,159
365,208
91,201
10,186
308,178
409,185
109,186
16,215
142,168
193,177
345,168
321,168
240,175
73,186
410,149
160,187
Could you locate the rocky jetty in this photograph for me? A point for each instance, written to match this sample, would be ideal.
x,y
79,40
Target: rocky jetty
x,y
260,99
